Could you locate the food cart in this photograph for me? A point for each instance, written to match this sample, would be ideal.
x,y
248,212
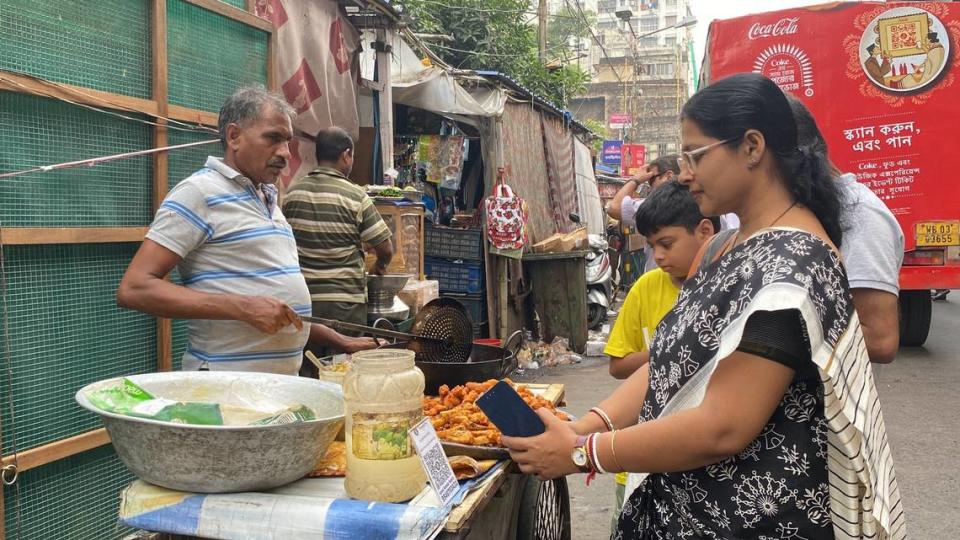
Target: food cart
x,y
501,504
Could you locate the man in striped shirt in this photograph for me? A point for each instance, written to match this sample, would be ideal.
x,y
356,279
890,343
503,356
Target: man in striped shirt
x,y
242,288
332,218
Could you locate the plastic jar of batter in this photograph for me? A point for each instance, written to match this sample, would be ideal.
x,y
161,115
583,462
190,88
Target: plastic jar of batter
x,y
383,392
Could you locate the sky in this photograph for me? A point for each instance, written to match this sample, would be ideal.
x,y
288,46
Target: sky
x,y
708,10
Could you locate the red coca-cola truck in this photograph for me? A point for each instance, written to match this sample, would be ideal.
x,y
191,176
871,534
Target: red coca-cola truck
x,y
883,80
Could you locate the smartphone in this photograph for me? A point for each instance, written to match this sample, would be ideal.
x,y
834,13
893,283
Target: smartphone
x,y
509,412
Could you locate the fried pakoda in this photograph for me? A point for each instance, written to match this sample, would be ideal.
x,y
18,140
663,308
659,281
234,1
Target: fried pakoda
x,y
457,419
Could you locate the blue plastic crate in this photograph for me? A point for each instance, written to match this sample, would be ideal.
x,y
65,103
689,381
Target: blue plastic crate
x,y
450,243
462,277
475,304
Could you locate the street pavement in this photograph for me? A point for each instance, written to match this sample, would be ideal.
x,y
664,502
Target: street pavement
x,y
920,396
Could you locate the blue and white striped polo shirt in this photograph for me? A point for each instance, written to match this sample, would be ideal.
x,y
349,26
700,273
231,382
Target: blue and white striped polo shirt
x,y
233,243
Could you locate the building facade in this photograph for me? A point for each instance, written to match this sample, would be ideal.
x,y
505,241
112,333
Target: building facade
x,y
645,74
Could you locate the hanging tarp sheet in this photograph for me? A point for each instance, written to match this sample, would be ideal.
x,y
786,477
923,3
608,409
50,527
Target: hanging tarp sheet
x,y
588,194
439,92
525,162
561,177
431,88
316,58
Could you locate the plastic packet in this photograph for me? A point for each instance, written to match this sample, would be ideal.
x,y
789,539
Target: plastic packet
x,y
243,405
131,400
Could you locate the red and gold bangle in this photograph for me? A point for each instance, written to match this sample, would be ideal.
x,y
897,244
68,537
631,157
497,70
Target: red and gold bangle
x,y
603,417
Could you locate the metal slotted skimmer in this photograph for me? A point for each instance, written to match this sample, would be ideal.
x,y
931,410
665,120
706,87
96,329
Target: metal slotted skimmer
x,y
446,320
441,332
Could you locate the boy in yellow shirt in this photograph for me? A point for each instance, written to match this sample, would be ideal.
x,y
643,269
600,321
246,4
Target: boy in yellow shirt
x,y
675,230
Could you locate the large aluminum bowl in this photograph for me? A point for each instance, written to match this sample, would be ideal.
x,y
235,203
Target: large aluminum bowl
x,y
221,459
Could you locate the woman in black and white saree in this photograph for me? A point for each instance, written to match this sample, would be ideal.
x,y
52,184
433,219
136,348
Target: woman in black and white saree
x,y
757,415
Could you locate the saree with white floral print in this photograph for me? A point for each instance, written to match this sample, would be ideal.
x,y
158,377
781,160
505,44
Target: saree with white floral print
x,y
821,467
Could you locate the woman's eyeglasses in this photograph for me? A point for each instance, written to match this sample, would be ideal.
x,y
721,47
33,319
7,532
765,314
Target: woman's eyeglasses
x,y
688,160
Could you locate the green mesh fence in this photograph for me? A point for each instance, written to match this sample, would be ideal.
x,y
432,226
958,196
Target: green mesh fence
x,y
37,131
179,344
210,56
73,499
94,44
183,163
65,331
186,161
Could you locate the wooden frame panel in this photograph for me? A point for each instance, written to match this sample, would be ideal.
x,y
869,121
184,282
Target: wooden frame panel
x,y
234,13
157,108
23,236
55,451
25,84
161,160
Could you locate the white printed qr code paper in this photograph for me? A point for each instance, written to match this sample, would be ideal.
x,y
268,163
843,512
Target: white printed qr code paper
x,y
434,461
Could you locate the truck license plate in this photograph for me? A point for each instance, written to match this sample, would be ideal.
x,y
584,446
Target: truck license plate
x,y
938,233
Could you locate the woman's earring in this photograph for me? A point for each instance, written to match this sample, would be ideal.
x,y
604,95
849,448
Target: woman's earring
x,y
751,164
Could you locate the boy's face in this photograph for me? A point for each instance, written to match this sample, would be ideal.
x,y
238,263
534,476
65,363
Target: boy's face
x,y
674,247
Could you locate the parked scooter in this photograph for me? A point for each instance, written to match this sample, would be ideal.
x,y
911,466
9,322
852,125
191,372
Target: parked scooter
x,y
599,278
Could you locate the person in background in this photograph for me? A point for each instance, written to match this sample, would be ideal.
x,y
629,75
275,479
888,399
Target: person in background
x,y
623,207
242,289
624,204
757,414
332,218
872,248
675,230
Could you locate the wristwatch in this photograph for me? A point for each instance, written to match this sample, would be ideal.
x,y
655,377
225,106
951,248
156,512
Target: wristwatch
x,y
579,454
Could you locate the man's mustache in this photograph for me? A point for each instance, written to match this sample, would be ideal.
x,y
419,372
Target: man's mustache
x,y
281,163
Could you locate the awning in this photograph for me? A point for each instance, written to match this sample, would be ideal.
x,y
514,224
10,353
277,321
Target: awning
x,y
431,88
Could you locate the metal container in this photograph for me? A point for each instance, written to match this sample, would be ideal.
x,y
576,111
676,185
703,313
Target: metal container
x,y
221,459
382,298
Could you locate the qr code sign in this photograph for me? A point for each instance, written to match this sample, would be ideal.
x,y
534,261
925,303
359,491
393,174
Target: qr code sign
x,y
434,461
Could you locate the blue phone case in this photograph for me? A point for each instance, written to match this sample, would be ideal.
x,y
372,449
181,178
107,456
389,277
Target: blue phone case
x,y
507,410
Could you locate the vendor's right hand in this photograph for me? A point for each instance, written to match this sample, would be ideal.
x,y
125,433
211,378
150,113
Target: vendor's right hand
x,y
268,314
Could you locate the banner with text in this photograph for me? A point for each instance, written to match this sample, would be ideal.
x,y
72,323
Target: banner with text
x,y
610,153
882,82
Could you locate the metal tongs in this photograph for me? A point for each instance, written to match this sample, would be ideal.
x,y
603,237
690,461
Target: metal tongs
x,y
373,331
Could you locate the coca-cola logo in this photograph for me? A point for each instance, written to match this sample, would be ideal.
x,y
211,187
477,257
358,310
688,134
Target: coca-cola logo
x,y
783,27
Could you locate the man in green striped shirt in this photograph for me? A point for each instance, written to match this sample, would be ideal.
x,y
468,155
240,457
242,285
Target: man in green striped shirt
x,y
332,218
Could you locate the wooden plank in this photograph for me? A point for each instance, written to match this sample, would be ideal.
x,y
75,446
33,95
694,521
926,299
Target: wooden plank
x,y
490,272
70,235
186,114
161,159
273,49
55,451
463,514
423,245
235,13
16,82
23,84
